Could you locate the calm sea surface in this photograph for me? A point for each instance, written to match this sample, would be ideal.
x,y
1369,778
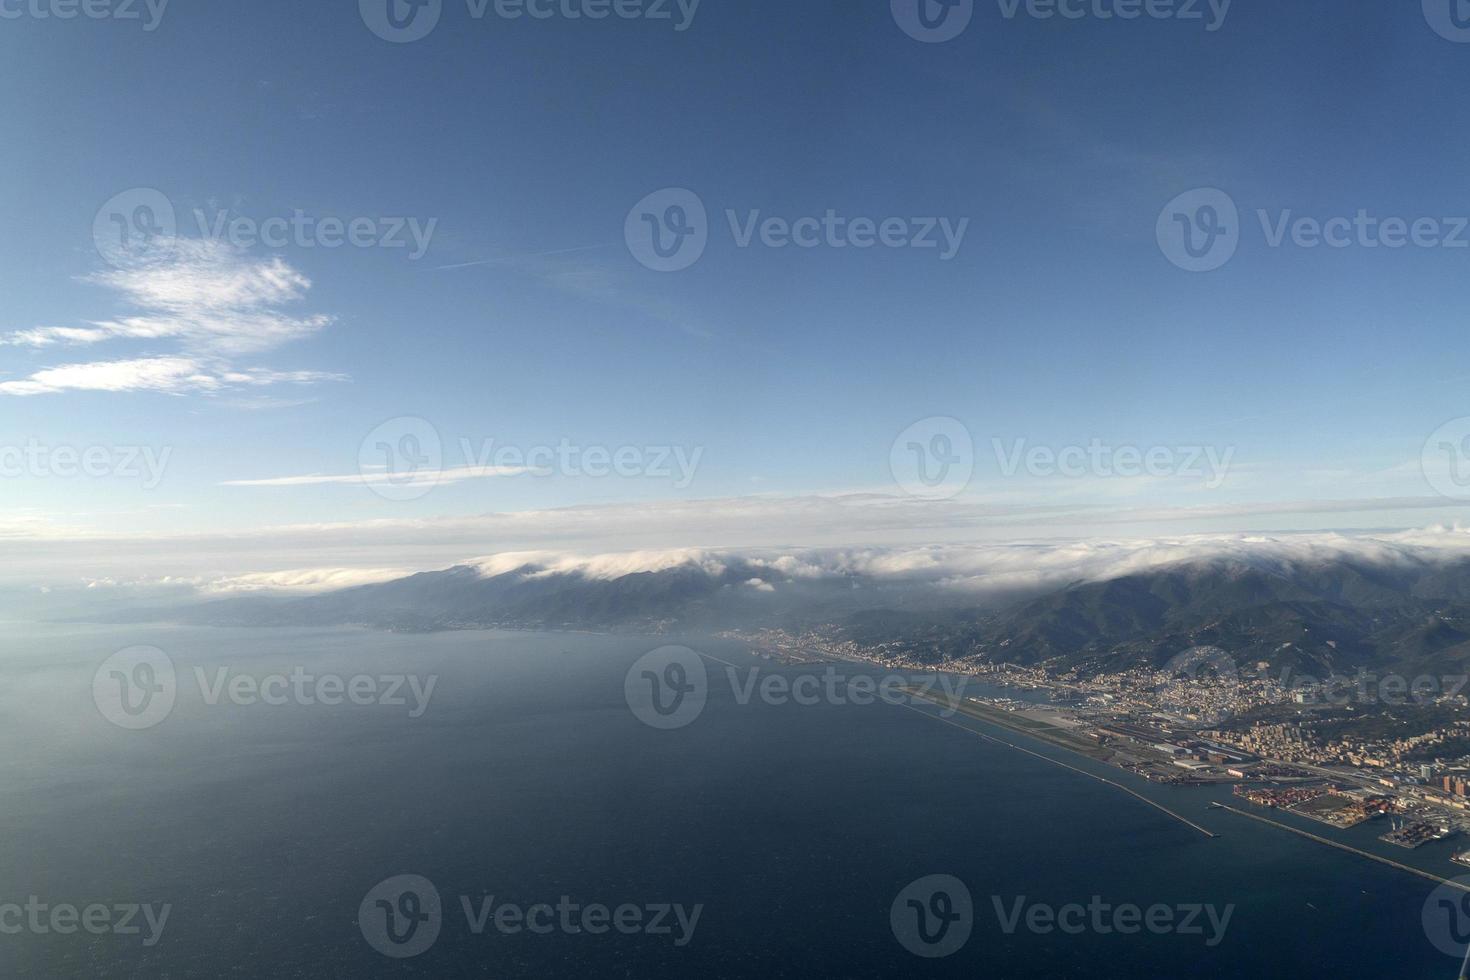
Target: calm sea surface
x,y
528,778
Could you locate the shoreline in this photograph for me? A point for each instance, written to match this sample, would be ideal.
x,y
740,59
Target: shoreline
x,y
1343,847
1056,762
941,701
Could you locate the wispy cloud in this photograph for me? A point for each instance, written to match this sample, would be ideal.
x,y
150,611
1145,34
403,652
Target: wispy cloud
x,y
211,300
173,375
454,474
594,282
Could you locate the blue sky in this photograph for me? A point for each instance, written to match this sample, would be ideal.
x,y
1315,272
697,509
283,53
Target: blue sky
x,y
1059,321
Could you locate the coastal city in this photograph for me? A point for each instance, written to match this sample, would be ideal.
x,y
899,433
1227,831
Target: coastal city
x,y
1341,751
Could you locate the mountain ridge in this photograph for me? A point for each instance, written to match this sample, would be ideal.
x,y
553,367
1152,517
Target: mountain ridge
x,y
1309,614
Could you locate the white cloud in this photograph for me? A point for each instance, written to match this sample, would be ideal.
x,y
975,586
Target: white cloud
x,y
966,572
604,567
303,580
173,375
142,374
1016,565
888,535
216,303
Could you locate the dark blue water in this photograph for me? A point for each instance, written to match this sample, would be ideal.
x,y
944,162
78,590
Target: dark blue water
x,y
528,778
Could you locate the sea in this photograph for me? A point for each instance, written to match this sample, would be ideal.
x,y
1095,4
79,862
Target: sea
x,y
788,827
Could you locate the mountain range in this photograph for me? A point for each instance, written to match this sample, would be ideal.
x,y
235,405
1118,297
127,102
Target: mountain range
x,y
1336,614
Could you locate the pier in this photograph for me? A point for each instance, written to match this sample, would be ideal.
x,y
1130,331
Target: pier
x,y
1345,847
1056,762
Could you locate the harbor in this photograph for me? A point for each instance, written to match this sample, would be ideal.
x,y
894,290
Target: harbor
x,y
1344,847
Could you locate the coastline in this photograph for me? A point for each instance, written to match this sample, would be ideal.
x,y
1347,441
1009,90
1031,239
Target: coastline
x,y
1007,721
1116,785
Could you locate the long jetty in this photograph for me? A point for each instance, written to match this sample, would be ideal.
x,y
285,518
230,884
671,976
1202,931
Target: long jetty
x,y
1056,762
1344,847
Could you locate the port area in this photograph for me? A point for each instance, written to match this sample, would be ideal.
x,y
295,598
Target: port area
x,y
1260,782
1344,808
1324,803
1344,847
1415,833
